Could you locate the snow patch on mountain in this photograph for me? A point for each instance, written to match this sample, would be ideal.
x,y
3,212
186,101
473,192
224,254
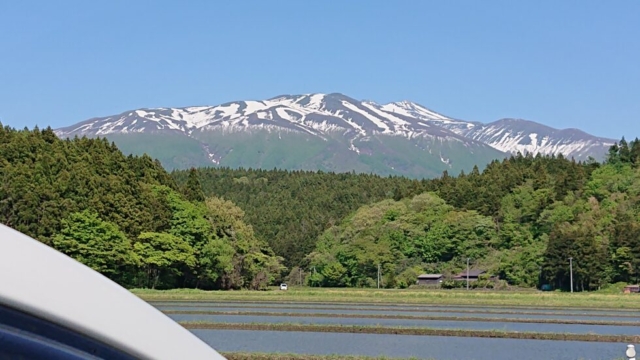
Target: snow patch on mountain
x,y
378,122
516,135
408,108
315,101
394,119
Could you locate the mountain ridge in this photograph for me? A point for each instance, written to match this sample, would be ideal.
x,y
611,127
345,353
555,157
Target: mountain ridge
x,y
340,124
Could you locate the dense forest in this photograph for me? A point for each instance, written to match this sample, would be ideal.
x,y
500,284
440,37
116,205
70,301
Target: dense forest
x,y
125,217
290,209
520,218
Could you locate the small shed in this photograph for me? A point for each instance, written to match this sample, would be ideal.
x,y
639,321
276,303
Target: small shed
x,y
473,275
428,279
631,289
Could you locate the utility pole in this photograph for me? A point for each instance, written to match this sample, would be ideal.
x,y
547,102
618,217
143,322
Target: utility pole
x,y
467,273
300,275
571,272
378,276
540,278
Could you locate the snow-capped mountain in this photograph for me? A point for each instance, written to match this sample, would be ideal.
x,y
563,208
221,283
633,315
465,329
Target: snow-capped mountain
x,y
315,114
330,132
515,135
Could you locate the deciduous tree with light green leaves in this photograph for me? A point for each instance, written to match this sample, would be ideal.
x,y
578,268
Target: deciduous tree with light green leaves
x,y
253,263
398,235
97,244
163,254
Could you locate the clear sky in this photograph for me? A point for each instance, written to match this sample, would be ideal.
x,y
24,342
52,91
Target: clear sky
x,y
569,63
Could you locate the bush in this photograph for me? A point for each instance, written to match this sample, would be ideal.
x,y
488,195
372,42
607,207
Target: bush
x,y
408,277
453,284
613,288
478,284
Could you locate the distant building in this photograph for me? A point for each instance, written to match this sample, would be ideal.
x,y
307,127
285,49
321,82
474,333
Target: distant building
x,y
631,289
473,275
430,279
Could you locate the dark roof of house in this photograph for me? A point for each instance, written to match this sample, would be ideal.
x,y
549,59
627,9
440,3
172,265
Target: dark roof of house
x,y
472,273
430,276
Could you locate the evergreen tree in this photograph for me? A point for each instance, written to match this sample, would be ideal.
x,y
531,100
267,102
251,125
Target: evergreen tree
x,y
193,190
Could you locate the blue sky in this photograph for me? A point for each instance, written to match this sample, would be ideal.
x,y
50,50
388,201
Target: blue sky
x,y
562,63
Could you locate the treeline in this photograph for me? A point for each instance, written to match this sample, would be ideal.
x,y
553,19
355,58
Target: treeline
x,y
521,219
125,216
218,228
291,209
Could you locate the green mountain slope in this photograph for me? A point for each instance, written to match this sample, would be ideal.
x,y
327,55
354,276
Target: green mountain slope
x,y
380,154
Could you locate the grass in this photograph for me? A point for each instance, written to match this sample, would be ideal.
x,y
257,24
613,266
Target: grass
x,y
629,339
409,296
407,317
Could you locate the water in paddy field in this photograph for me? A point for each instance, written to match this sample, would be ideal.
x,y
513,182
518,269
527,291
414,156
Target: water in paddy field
x,y
479,315
467,325
431,309
434,347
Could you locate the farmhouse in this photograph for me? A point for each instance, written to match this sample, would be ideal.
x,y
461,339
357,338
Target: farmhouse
x,y
631,289
429,279
473,275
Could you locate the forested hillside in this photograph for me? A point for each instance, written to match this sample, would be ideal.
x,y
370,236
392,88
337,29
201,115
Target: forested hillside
x,y
290,209
520,218
125,216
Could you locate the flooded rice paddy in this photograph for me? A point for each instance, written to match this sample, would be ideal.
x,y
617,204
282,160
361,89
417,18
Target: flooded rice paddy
x,y
391,345
430,347
399,308
355,310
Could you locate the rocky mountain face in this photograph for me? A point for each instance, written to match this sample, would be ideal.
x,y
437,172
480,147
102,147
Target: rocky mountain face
x,y
330,132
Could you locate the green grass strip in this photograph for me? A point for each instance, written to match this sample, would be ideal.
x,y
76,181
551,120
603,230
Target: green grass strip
x,y
629,339
410,296
409,317
384,305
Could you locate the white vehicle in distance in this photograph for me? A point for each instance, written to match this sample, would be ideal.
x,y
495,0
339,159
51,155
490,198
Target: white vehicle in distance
x,y
54,307
283,286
